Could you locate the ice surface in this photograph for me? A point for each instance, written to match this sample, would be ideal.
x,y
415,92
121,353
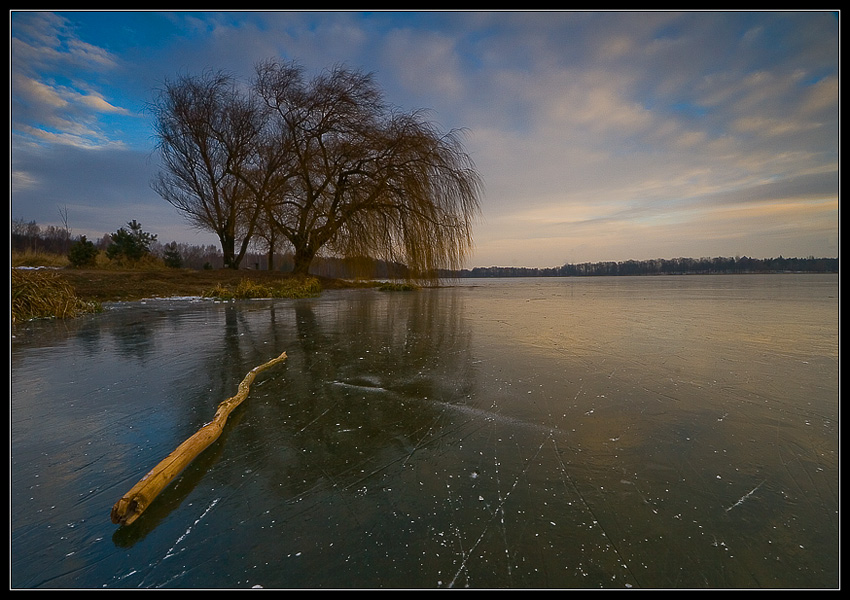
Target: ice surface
x,y
561,433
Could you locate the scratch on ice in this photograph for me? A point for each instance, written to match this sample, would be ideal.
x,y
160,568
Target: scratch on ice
x,y
171,551
746,496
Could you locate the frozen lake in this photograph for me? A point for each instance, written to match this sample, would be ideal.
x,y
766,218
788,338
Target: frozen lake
x,y
643,432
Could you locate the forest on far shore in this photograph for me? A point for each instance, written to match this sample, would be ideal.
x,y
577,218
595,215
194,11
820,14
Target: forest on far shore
x,y
663,266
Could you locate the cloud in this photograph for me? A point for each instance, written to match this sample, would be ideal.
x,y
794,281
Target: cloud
x,y
52,98
426,64
610,135
45,40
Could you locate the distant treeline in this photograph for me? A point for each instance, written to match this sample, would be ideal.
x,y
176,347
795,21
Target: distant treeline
x,y
29,236
662,266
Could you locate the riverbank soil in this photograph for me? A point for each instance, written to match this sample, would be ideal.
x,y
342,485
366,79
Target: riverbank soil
x,y
107,285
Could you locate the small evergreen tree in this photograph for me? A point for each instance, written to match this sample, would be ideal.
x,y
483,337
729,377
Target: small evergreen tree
x,y
130,245
171,256
83,253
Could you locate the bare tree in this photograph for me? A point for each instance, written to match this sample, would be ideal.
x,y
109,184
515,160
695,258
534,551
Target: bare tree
x,y
206,129
366,180
326,165
63,215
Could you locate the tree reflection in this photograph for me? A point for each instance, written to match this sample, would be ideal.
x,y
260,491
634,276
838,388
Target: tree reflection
x,y
354,395
356,390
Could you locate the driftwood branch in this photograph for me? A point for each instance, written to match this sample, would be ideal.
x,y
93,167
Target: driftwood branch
x,y
134,502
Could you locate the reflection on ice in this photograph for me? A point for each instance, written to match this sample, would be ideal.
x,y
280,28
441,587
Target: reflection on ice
x,y
602,435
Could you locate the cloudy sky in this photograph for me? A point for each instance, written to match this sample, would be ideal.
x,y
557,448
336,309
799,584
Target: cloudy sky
x,y
599,135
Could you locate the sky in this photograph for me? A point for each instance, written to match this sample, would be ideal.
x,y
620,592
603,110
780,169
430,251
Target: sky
x,y
599,136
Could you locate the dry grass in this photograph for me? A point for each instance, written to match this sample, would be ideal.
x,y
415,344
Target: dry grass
x,y
398,287
32,258
292,287
42,293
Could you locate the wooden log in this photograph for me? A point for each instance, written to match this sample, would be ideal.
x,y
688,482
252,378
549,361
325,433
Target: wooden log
x,y
134,502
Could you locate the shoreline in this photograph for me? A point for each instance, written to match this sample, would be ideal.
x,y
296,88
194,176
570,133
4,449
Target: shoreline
x,y
108,285
123,285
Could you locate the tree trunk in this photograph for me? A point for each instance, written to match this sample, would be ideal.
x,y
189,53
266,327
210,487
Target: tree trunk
x,y
271,242
303,258
228,250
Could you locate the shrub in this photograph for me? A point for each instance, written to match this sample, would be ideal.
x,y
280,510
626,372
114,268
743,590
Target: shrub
x,y
171,256
82,253
132,244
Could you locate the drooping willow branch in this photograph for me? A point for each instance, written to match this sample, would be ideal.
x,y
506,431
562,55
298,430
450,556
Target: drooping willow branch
x,y
134,502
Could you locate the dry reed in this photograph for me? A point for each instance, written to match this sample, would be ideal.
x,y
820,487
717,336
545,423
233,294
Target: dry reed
x,y
42,293
294,287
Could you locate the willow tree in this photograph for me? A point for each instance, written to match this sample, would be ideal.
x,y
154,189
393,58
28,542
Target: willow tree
x,y
326,165
363,179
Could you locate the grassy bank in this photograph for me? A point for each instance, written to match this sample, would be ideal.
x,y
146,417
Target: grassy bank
x,y
67,292
39,294
106,285
56,289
